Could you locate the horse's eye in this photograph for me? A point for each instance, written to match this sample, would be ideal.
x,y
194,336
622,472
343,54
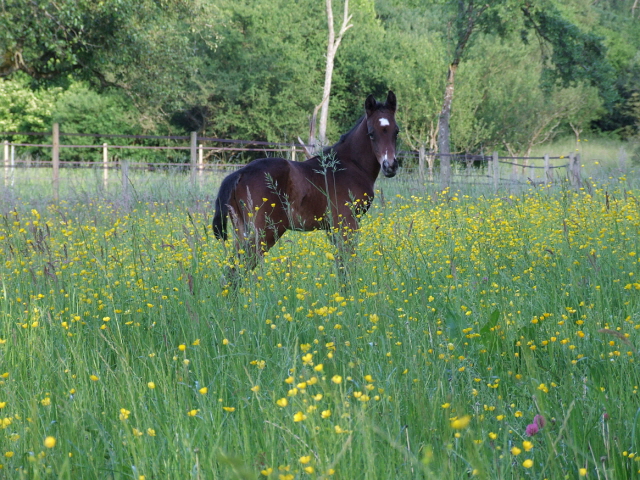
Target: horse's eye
x,y
371,135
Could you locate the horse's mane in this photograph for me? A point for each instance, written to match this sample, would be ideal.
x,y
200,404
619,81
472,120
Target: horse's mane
x,y
379,106
346,135
343,138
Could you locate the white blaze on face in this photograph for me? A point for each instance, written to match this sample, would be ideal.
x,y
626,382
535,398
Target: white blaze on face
x,y
384,122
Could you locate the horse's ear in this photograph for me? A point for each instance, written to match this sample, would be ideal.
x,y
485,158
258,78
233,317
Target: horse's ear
x,y
391,101
370,105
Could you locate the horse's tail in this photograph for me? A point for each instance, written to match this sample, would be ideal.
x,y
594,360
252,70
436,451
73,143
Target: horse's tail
x,y
222,207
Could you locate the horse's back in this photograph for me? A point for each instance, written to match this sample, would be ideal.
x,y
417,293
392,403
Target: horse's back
x,y
285,190
263,167
275,174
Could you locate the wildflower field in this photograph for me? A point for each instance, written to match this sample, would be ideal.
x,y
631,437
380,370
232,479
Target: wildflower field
x,y
487,336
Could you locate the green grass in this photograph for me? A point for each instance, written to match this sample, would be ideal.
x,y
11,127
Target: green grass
x,y
600,157
491,309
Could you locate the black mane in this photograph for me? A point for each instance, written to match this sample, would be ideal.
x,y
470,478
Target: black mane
x,y
344,136
379,106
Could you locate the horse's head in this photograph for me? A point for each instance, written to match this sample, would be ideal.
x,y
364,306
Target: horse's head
x,y
383,131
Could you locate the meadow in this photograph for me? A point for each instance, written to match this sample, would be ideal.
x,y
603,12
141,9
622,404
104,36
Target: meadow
x,y
477,335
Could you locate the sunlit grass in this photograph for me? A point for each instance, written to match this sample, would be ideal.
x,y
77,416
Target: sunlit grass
x,y
600,157
487,336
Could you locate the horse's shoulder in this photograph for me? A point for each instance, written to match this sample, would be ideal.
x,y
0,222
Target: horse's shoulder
x,y
298,172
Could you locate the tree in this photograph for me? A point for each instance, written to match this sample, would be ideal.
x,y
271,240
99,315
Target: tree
x,y
82,110
257,81
46,40
501,102
576,56
469,14
332,47
23,109
143,48
249,68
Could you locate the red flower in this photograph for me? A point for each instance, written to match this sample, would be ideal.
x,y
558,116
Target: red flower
x,y
532,429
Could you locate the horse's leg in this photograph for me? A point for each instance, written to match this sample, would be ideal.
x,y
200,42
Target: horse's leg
x,y
253,240
231,276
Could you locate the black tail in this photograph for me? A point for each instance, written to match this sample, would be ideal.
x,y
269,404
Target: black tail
x,y
224,194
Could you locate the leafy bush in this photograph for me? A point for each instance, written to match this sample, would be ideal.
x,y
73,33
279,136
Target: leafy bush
x,y
23,109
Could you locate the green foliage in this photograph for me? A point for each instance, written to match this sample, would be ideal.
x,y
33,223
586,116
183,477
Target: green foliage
x,y
255,68
575,55
46,39
411,66
159,58
361,69
23,109
82,110
259,81
501,104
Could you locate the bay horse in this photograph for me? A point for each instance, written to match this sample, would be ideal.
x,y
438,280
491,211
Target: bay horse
x,y
329,192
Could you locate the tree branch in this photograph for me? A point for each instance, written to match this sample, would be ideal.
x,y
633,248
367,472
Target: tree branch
x,y
472,18
332,47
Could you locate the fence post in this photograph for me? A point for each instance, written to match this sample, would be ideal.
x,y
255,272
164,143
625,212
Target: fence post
x,y
6,163
194,156
124,166
293,153
105,166
572,156
55,160
200,163
421,155
547,170
574,169
495,164
13,159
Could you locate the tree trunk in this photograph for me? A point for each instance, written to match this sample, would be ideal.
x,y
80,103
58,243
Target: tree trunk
x,y
576,131
466,20
444,146
332,48
328,75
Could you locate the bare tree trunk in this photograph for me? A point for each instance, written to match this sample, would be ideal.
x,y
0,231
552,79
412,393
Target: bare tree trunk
x,y
444,145
332,48
633,9
433,147
312,147
466,20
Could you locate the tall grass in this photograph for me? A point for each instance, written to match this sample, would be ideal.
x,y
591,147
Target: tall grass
x,y
464,317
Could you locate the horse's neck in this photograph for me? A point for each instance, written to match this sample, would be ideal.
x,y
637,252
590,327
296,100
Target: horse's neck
x,y
355,151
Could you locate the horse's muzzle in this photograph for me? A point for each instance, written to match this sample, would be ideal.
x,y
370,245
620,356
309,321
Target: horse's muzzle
x,y
390,169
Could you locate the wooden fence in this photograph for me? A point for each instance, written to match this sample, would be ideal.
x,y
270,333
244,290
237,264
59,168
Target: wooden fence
x,y
424,170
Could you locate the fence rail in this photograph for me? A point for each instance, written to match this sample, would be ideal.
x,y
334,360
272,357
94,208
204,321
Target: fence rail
x,y
196,167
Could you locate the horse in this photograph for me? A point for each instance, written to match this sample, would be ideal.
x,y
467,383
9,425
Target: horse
x,y
330,191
